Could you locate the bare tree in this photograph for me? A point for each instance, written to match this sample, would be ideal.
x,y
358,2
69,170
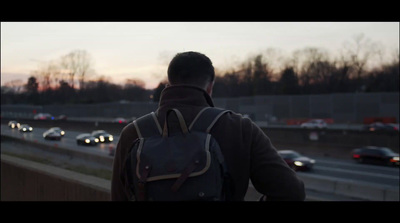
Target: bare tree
x,y
313,65
55,70
48,74
275,61
359,52
395,56
78,63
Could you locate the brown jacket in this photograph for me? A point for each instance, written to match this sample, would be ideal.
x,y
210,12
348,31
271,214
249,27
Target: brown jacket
x,y
248,152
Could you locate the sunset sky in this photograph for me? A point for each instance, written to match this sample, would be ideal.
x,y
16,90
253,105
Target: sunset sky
x,y
122,50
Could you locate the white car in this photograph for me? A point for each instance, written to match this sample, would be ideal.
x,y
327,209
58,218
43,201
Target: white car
x,y
14,124
314,124
52,135
25,128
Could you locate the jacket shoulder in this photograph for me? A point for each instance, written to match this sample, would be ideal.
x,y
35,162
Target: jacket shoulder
x,y
238,118
128,131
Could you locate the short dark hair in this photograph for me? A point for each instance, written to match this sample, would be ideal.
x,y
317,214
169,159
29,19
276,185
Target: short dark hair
x,y
191,68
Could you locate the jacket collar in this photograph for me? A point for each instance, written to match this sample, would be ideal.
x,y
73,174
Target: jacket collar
x,y
178,95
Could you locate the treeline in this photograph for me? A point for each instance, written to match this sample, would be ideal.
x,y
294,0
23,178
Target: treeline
x,y
319,78
99,91
253,78
358,67
313,77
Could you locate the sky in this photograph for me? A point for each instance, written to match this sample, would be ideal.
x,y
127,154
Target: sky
x,y
142,50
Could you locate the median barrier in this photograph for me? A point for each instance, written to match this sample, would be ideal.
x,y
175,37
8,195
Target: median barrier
x,y
322,184
350,188
368,191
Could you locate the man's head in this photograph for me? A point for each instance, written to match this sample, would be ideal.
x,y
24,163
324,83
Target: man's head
x,y
191,68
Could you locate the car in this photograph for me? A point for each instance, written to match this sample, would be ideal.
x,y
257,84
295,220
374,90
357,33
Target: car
x,y
25,128
296,161
86,139
314,124
14,124
54,133
375,155
51,134
103,136
58,130
395,126
43,116
379,126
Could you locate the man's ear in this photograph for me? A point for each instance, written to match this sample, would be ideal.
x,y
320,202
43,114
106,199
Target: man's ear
x,y
210,87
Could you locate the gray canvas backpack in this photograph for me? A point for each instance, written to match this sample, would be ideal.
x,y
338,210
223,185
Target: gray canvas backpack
x,y
187,165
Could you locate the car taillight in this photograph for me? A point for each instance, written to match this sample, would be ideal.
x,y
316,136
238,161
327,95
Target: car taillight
x,y
356,156
394,159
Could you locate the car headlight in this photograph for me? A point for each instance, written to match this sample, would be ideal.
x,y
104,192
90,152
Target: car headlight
x,y
87,140
111,138
298,163
12,126
96,140
62,133
312,161
101,138
30,128
396,158
24,129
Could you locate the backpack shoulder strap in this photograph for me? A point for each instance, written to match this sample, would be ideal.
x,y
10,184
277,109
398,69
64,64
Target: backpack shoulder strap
x,y
206,119
147,125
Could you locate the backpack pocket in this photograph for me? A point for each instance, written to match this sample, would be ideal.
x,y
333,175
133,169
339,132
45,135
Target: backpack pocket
x,y
177,168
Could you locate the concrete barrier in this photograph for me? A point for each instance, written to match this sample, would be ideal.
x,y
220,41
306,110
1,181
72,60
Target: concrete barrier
x,y
350,188
24,180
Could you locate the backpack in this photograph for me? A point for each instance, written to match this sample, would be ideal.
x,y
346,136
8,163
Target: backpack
x,y
187,165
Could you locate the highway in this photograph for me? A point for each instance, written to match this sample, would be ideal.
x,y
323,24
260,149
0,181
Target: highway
x,y
68,141
385,175
346,169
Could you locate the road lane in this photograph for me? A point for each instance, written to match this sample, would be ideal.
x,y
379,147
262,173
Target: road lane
x,y
331,167
68,141
351,170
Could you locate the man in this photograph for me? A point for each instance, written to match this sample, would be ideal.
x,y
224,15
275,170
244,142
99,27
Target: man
x,y
248,152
